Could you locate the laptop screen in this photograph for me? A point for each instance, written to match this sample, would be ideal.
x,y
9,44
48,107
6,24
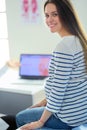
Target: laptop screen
x,y
34,66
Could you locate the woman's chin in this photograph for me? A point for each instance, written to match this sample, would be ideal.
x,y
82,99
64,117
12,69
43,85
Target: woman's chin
x,y
53,31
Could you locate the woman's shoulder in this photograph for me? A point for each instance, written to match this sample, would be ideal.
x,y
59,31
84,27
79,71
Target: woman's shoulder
x,y
68,41
68,44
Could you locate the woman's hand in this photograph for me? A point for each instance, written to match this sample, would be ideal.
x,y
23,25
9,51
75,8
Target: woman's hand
x,y
40,104
32,125
13,64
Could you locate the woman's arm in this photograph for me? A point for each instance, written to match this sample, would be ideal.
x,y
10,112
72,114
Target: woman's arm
x,y
38,124
45,116
40,104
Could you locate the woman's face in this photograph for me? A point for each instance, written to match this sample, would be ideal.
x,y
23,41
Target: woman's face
x,y
53,20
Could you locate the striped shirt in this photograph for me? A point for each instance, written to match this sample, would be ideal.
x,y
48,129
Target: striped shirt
x,y
66,86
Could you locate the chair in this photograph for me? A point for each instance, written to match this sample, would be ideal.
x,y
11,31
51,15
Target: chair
x,y
81,127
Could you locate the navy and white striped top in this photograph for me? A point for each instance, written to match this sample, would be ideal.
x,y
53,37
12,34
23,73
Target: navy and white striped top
x,y
66,86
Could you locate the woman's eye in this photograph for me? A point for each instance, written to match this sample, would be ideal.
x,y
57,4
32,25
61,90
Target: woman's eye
x,y
55,14
51,15
46,16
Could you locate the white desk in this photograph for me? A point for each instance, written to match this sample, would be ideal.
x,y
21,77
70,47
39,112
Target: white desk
x,y
14,98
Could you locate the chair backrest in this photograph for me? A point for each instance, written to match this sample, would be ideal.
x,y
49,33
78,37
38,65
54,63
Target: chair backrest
x,y
82,127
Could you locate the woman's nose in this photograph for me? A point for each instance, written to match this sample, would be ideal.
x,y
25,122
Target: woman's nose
x,y
50,18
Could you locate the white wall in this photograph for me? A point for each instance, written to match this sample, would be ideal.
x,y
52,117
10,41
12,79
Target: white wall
x,y
81,8
34,38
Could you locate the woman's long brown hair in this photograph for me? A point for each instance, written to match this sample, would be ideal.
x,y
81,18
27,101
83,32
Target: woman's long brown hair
x,y
70,21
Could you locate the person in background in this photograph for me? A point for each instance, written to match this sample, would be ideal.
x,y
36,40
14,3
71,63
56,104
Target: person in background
x,y
13,64
65,105
10,120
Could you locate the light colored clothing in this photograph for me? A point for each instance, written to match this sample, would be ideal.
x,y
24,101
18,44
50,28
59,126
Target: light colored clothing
x,y
66,87
3,125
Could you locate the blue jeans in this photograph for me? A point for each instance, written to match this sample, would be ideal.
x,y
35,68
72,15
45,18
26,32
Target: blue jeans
x,y
34,114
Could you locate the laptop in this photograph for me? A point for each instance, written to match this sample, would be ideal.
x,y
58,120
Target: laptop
x,y
33,68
